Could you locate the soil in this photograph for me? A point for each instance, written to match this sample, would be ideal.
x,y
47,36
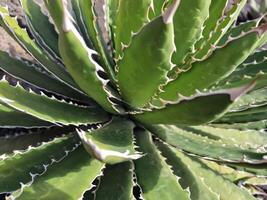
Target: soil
x,y
6,42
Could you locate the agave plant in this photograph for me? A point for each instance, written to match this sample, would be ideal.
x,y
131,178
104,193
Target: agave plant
x,y
172,107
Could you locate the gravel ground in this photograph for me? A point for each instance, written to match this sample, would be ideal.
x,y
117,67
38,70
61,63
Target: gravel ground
x,y
6,42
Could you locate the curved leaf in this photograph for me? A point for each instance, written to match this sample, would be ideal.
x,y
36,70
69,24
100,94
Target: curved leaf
x,y
20,167
114,187
79,59
49,109
11,26
131,16
206,181
112,143
58,180
219,65
195,143
153,174
188,24
187,111
87,12
21,141
21,69
40,26
7,116
142,72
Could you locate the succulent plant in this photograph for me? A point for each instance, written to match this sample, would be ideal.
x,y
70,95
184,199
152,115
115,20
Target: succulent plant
x,y
172,107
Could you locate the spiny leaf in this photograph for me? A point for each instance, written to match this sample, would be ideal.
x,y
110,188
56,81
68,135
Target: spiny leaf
x,y
216,12
11,26
7,116
111,9
246,73
138,78
221,28
191,141
86,9
21,70
256,57
218,66
116,183
158,8
131,16
227,172
57,181
112,143
256,125
40,26
21,141
215,187
186,111
238,30
79,58
260,170
247,139
20,167
152,172
49,109
252,99
188,178
248,115
188,24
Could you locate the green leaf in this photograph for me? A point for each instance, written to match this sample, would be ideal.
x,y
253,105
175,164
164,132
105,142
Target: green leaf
x,y
222,26
49,109
57,182
112,143
79,58
40,26
216,12
20,167
252,99
219,65
227,172
246,73
208,185
112,7
238,30
186,111
158,7
139,79
131,16
258,56
21,70
153,174
87,12
195,143
188,24
256,125
11,26
260,170
116,183
21,140
248,115
7,116
248,139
